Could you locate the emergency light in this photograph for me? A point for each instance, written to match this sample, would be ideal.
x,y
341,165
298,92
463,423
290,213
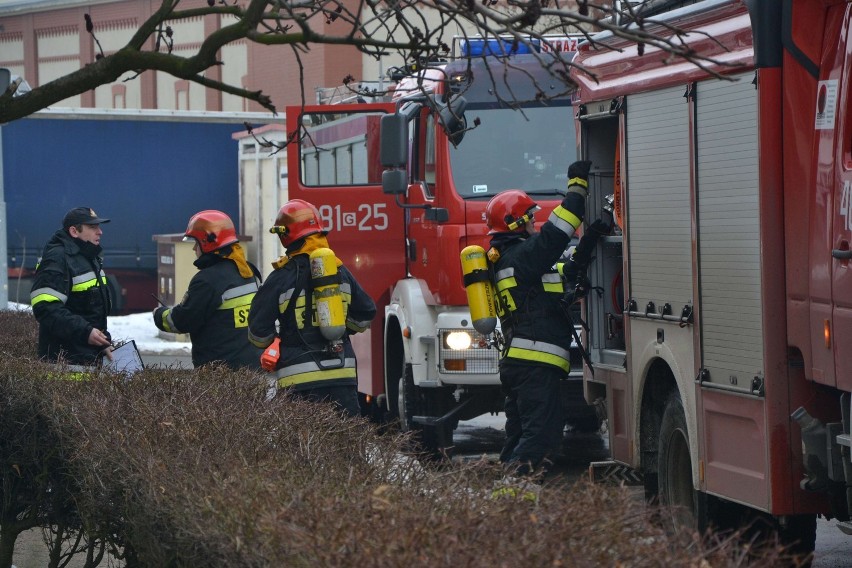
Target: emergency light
x,y
498,47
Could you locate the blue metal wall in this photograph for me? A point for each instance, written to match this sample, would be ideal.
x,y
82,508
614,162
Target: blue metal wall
x,y
148,177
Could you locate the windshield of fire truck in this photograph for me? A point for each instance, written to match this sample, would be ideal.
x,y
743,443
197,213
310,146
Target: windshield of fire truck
x,y
528,148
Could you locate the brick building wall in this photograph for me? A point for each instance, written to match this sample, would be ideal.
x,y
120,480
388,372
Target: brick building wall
x,y
42,40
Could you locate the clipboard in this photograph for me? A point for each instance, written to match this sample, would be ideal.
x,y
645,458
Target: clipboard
x,y
125,359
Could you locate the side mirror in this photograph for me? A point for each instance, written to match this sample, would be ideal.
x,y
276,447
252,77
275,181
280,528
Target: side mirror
x,y
393,147
394,182
453,119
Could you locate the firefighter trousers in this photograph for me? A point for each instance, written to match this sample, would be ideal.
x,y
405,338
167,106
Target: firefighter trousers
x,y
534,420
344,397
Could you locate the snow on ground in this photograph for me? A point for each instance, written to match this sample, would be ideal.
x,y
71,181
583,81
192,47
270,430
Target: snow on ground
x,y
139,327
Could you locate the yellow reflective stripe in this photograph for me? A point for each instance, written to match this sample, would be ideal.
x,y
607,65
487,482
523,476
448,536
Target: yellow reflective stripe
x,y
83,286
47,295
312,376
357,326
261,342
238,291
311,371
539,357
86,280
284,300
237,302
43,298
167,322
505,278
506,283
90,275
564,220
552,282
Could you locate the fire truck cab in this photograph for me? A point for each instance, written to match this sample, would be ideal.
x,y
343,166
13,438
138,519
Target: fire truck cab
x,y
460,132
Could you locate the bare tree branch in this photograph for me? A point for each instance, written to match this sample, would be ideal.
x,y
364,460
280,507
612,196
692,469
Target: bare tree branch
x,y
419,31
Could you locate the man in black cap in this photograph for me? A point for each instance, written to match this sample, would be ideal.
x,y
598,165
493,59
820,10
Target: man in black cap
x,y
70,297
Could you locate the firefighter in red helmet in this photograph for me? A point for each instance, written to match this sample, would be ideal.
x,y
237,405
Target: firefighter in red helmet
x,y
535,356
214,310
311,364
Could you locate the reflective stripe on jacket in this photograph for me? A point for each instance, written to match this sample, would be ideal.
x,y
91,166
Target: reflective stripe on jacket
x,y
214,312
70,297
284,307
530,289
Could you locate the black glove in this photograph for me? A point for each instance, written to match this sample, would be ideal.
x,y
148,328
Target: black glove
x,y
579,169
605,223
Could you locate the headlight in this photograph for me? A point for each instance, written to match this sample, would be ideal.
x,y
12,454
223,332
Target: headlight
x,y
458,340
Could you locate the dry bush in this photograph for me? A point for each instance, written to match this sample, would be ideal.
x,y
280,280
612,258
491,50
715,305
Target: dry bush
x,y
196,469
18,334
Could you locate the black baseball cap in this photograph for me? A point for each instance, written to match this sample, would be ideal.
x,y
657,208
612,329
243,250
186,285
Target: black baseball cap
x,y
82,216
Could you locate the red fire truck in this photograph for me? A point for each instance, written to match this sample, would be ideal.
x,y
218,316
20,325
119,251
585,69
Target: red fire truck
x,y
422,361
722,341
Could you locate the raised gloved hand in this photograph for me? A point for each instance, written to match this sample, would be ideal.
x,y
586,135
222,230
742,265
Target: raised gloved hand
x,y
579,169
578,177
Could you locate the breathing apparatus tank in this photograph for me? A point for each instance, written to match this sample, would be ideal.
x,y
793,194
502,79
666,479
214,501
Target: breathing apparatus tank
x,y
328,299
480,290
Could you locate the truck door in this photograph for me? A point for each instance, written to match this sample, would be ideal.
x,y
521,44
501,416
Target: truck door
x,y
841,221
335,165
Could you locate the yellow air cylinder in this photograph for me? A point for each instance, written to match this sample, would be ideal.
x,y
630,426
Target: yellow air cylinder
x,y
328,299
480,290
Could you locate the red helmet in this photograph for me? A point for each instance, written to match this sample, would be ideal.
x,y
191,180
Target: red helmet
x,y
212,229
509,211
296,219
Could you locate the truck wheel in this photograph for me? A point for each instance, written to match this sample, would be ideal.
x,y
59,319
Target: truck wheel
x,y
799,534
407,405
433,440
674,477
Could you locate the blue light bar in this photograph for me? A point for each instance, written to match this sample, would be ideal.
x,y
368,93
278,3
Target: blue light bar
x,y
497,47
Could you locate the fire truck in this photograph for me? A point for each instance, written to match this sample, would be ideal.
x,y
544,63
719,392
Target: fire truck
x,y
460,132
721,338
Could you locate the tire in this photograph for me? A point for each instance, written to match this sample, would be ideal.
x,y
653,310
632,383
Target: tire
x,y
677,497
407,405
679,501
412,401
799,534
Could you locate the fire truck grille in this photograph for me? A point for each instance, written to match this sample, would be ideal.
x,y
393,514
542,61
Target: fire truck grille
x,y
477,359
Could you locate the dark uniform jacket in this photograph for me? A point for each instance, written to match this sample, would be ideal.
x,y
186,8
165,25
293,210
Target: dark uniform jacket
x,y
533,320
70,297
214,312
305,362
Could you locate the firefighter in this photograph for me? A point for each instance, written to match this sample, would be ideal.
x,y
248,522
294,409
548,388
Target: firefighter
x,y
214,310
314,361
536,330
70,295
